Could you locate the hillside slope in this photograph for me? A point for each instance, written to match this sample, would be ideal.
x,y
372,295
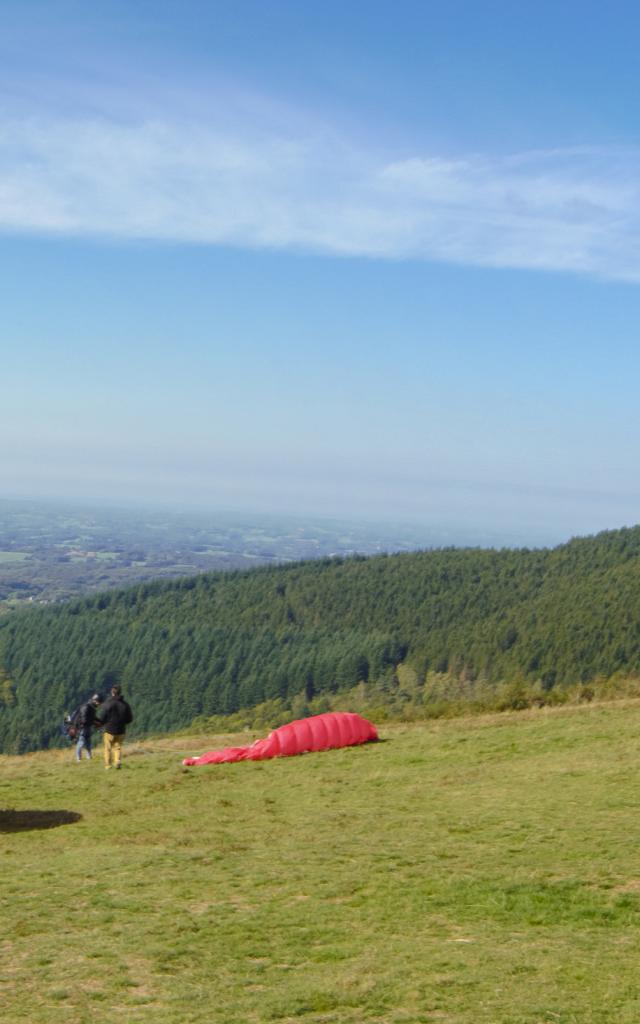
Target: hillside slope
x,y
218,642
478,871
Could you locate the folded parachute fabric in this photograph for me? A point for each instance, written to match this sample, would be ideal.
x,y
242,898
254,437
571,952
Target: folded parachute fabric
x,y
320,732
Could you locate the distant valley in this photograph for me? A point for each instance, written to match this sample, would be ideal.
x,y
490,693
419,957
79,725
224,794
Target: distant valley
x,y
51,551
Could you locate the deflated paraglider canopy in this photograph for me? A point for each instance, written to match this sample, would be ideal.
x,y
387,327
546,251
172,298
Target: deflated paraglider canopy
x,y
320,732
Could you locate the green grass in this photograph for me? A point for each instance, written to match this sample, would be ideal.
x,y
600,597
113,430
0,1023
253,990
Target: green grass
x,y
476,871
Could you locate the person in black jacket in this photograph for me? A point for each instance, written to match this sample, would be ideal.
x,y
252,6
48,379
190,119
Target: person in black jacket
x,y
84,721
115,716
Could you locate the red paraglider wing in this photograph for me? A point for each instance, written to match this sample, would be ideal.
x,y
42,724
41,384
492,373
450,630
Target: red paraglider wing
x,y
321,732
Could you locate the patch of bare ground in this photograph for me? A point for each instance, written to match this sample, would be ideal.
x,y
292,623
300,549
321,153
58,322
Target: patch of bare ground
x,y
633,885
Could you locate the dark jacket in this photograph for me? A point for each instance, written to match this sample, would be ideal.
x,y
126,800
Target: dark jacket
x,y
84,717
115,715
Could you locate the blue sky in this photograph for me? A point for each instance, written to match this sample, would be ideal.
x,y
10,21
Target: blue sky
x,y
364,259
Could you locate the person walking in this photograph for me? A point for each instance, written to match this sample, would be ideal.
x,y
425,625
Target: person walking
x,y
84,721
115,716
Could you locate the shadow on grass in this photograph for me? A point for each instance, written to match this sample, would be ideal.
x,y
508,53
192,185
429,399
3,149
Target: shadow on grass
x,y
26,821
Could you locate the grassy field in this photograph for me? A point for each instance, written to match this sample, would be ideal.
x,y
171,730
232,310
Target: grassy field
x,y
476,871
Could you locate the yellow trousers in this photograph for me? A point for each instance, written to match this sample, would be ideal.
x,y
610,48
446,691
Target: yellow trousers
x,y
112,750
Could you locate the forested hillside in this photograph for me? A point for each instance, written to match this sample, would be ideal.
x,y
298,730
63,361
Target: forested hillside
x,y
218,642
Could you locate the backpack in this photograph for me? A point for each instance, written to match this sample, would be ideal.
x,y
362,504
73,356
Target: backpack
x,y
69,729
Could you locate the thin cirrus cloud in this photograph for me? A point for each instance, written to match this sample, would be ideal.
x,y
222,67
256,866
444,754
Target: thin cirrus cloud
x,y
573,210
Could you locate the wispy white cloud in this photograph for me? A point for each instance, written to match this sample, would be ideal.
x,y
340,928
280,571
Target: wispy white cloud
x,y
210,180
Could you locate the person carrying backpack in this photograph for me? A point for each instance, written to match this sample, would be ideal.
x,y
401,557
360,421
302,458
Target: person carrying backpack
x,y
115,716
84,721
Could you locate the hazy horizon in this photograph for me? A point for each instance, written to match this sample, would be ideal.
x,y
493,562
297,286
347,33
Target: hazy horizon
x,y
432,532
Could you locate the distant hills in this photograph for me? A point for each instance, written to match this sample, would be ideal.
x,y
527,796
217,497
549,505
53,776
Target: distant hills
x,y
423,624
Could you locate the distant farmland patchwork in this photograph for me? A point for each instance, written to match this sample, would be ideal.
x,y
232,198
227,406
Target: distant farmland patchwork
x,y
49,552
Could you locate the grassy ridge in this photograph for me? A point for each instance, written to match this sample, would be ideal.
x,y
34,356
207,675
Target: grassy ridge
x,y
476,871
